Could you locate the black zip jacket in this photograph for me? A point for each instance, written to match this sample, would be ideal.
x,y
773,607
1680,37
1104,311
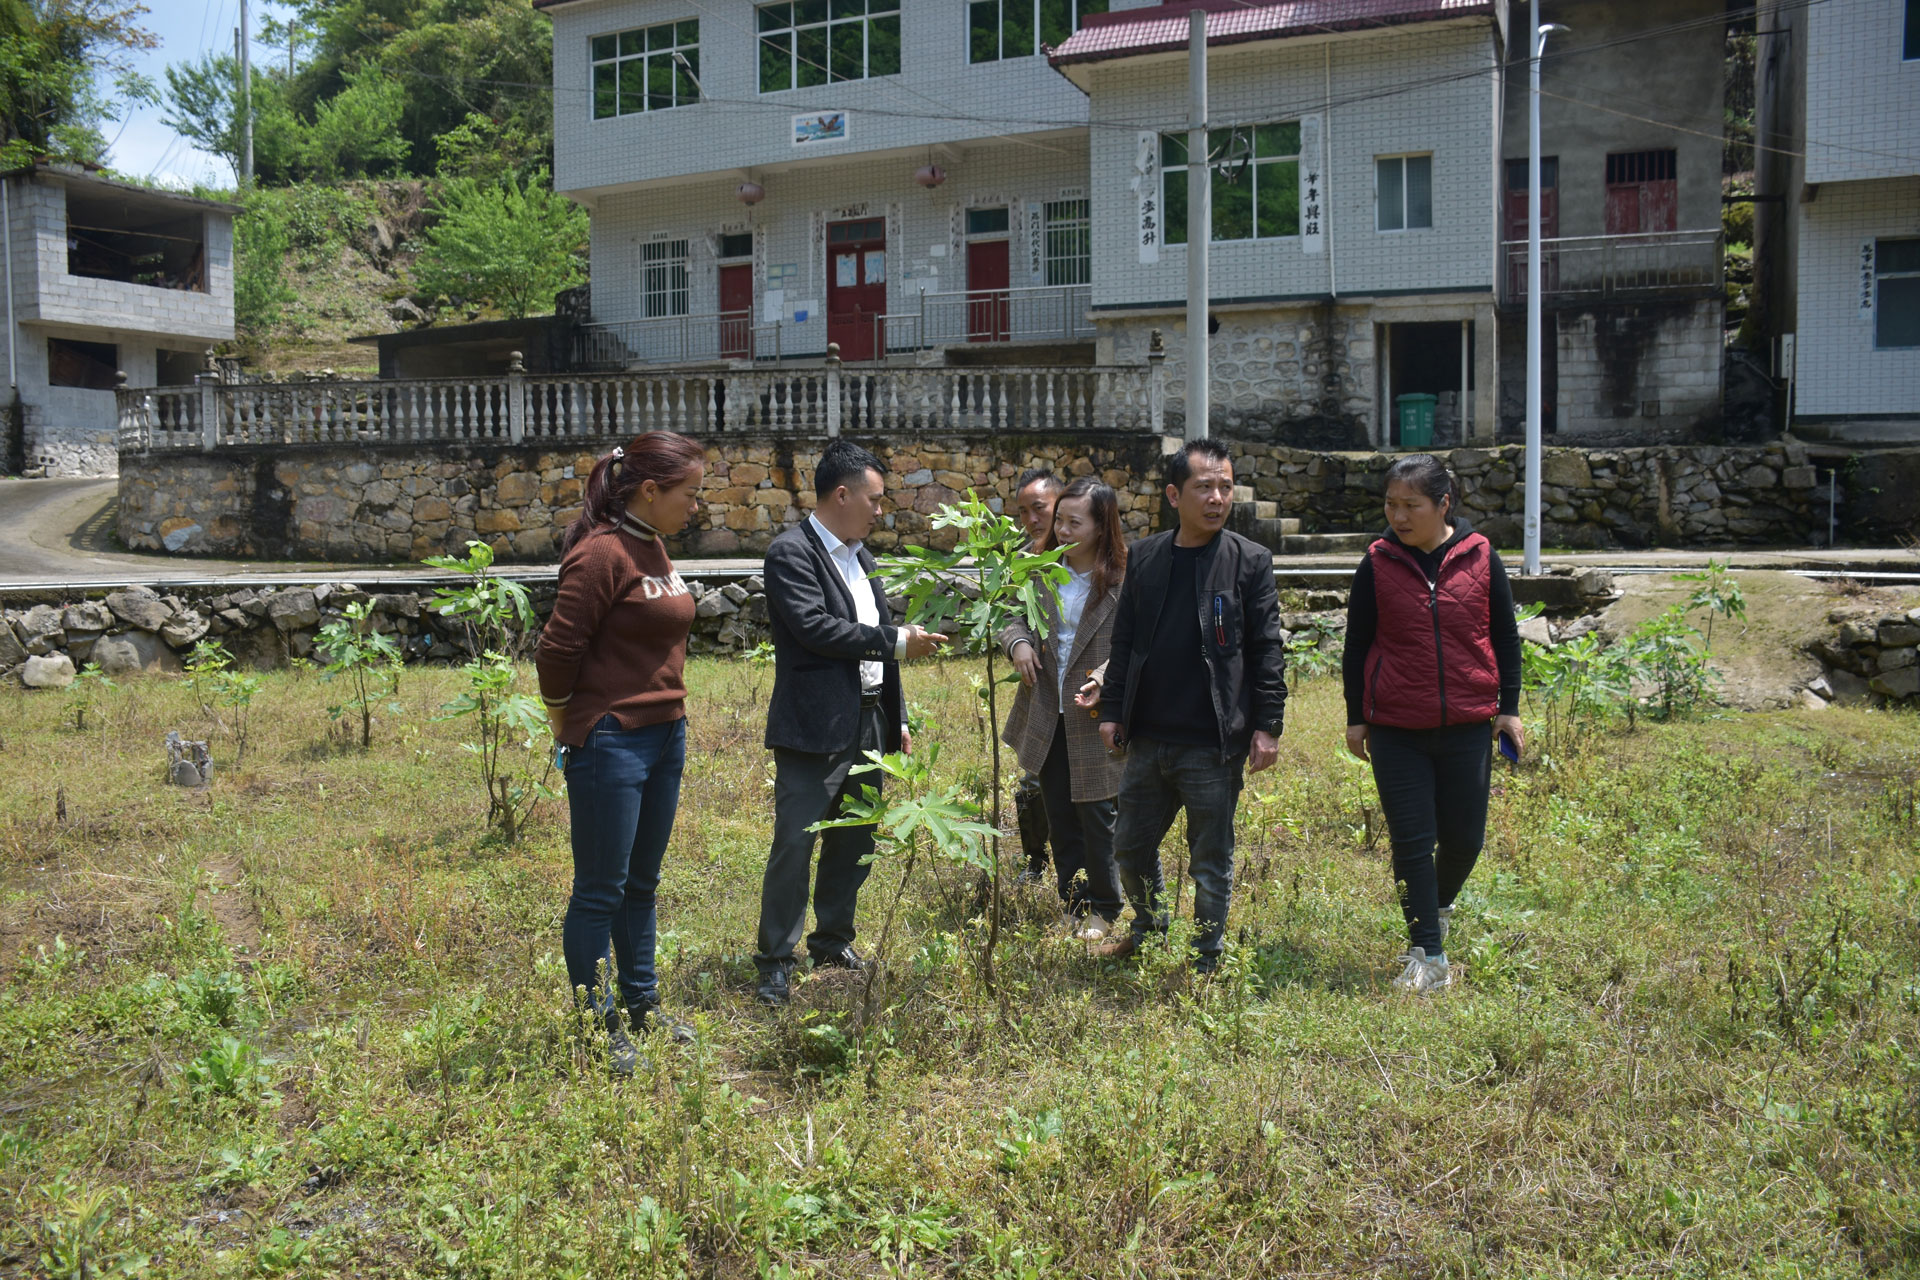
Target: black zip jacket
x,y
1246,660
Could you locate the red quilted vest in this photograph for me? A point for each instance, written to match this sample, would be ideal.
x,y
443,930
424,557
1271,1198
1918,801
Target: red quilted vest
x,y
1432,660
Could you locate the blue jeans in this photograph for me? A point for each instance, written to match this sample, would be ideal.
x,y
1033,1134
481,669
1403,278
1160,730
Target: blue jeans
x,y
623,788
1160,778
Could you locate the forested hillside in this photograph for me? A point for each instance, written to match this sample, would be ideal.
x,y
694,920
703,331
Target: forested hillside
x,y
401,156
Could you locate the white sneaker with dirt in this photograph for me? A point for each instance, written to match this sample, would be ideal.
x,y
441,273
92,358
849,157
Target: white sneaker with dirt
x,y
1422,975
1094,929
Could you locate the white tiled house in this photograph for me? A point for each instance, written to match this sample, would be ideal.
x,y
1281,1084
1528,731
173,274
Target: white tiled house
x,y
1840,84
822,112
108,278
1355,251
668,113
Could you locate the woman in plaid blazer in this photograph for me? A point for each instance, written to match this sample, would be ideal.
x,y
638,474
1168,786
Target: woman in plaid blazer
x,y
1056,739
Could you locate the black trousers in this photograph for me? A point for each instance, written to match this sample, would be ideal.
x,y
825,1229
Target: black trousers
x,y
808,787
1031,813
1433,793
1082,836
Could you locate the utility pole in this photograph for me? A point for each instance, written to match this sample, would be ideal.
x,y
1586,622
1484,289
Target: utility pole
x,y
243,39
1536,45
1199,228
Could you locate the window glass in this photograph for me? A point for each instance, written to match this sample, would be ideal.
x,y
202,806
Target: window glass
x,y
738,245
1256,194
94,365
637,70
1896,311
987,222
813,42
1419,191
999,29
1390,194
1910,46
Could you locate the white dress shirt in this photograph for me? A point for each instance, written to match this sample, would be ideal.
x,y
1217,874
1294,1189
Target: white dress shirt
x,y
1073,604
866,610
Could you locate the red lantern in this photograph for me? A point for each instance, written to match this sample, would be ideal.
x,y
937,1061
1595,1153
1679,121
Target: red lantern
x,y
751,193
930,175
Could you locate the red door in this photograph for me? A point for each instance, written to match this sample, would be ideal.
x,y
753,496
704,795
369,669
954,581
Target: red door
x,y
1642,192
736,312
1516,225
987,280
856,285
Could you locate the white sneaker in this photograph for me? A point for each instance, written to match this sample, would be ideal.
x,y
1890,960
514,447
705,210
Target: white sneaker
x,y
1446,922
1093,929
1423,975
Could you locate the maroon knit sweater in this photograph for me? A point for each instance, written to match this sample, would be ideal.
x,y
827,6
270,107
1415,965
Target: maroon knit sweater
x,y
617,639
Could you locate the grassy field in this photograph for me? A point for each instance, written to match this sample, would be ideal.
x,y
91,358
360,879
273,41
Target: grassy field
x,y
311,1022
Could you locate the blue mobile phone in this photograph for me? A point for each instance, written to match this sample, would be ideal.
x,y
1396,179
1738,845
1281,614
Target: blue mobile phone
x,y
1508,749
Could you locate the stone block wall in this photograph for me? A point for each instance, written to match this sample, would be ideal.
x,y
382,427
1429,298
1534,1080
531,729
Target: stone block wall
x,y
1873,655
1677,496
411,502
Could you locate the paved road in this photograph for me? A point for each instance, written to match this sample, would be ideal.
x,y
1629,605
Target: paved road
x,y
60,533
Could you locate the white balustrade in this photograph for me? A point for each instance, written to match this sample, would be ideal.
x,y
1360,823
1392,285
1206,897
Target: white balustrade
x,y
597,407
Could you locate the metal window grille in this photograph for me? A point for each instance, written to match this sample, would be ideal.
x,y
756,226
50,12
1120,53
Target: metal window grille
x,y
1069,242
663,277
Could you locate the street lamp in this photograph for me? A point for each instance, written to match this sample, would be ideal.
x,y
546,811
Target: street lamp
x,y
1538,46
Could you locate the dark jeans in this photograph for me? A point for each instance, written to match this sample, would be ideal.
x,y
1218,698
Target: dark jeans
x,y
1082,837
623,788
1160,778
1433,791
1030,812
807,788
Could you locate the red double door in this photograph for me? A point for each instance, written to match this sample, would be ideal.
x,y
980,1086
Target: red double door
x,y
856,286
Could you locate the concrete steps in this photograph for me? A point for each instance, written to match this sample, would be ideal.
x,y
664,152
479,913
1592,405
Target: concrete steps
x,y
1260,520
1326,544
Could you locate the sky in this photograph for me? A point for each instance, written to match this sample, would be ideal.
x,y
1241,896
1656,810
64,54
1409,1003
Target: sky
x,y
144,145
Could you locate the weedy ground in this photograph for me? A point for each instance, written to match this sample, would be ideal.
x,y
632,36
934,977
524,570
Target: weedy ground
x,y
311,1021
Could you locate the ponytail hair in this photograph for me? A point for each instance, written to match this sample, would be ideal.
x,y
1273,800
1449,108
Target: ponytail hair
x,y
1427,474
660,456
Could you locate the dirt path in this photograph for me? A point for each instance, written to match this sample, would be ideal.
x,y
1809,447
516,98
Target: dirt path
x,y
1764,659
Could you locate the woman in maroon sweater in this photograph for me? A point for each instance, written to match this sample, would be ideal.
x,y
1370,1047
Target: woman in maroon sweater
x,y
610,665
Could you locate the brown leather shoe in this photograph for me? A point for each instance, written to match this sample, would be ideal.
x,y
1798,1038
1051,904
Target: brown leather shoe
x,y
1118,948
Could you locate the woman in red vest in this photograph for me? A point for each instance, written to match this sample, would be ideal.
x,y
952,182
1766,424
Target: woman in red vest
x,y
1432,670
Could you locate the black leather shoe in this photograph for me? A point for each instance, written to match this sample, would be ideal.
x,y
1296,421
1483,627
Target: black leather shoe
x,y
773,987
648,1018
840,958
621,1055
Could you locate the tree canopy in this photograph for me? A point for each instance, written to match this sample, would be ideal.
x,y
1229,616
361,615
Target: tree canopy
x,y
65,71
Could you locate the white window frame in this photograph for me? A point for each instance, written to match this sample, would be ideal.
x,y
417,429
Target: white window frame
x,y
765,35
1405,218
665,279
1174,177
685,94
1079,9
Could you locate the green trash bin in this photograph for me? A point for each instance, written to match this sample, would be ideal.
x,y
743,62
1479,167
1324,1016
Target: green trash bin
x,y
1416,419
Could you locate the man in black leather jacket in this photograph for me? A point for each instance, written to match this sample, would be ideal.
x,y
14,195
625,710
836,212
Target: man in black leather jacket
x,y
1194,694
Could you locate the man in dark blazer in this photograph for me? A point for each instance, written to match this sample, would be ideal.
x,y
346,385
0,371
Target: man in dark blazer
x,y
836,696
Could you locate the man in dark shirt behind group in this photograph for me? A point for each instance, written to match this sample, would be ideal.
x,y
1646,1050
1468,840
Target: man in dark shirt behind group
x,y
1194,693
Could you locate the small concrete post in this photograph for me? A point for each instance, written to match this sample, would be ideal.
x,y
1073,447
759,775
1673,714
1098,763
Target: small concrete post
x,y
516,397
1157,383
209,385
833,390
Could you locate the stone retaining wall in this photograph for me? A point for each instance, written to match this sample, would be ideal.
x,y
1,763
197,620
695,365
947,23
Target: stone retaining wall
x,y
360,504
408,503
1873,656
1674,496
138,630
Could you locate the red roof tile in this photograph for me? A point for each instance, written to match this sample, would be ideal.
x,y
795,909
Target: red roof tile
x,y
1163,29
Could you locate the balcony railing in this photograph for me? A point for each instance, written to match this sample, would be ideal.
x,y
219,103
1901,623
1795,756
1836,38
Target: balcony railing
x,y
709,337
1049,313
1602,267
526,409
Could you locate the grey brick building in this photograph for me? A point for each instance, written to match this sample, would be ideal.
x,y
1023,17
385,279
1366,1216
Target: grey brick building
x,y
107,278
